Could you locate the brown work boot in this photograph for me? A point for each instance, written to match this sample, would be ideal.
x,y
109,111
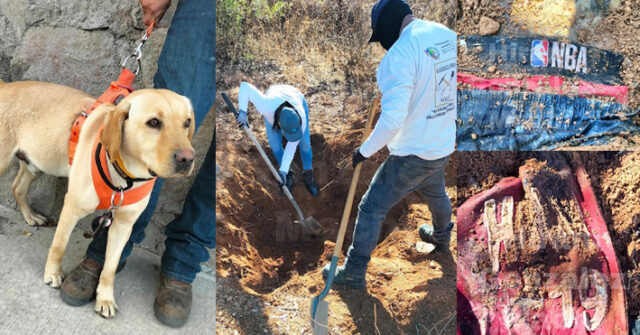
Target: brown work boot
x,y
173,302
79,287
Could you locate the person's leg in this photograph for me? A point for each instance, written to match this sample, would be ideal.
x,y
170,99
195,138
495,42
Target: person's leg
x,y
435,194
187,66
189,234
306,155
395,179
275,141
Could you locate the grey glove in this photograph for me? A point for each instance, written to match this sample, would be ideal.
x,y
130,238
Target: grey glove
x,y
242,119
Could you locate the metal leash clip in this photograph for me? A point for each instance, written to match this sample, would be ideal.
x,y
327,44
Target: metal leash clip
x,y
105,220
137,53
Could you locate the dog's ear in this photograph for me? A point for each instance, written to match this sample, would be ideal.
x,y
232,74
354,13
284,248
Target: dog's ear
x,y
192,125
111,136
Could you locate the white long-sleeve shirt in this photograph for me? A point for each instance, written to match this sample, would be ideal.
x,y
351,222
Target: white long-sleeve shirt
x,y
417,78
266,104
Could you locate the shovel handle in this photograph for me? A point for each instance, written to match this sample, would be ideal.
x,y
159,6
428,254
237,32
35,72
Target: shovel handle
x,y
373,109
230,104
265,158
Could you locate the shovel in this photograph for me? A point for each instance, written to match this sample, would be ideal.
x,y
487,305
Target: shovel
x,y
320,307
310,224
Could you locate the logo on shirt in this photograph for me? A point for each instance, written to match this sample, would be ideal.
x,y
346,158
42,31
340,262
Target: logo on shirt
x,y
539,53
445,86
433,52
562,55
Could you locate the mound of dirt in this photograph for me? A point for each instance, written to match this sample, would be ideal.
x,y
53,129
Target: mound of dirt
x,y
616,177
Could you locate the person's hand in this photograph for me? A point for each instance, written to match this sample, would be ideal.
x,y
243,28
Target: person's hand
x,y
357,157
153,10
283,179
242,119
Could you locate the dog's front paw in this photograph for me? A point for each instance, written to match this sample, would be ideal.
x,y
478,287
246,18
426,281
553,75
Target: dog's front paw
x,y
35,219
105,306
53,276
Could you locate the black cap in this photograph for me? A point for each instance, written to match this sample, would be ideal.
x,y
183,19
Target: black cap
x,y
375,14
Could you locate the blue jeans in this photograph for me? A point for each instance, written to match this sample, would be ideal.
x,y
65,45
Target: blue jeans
x,y
186,66
275,142
394,180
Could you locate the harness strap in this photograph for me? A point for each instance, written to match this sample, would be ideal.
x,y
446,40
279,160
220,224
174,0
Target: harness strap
x,y
119,88
102,181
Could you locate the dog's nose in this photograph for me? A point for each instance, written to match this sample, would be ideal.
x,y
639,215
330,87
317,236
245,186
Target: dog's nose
x,y
184,155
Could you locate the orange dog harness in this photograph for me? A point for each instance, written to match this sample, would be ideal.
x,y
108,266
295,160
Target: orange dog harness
x,y
103,186
119,88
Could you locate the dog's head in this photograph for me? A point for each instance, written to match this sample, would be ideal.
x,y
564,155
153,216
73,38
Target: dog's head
x,y
151,130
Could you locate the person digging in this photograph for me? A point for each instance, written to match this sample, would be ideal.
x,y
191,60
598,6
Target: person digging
x,y
416,123
286,114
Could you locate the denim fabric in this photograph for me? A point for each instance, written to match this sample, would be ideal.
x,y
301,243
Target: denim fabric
x,y
186,66
395,179
275,142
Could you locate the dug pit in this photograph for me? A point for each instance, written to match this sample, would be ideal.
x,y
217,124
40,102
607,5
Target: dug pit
x,y
269,256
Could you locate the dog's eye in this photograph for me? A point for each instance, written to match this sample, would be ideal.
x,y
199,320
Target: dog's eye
x,y
154,123
187,123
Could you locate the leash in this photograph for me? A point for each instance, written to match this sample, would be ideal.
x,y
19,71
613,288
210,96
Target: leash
x,y
117,91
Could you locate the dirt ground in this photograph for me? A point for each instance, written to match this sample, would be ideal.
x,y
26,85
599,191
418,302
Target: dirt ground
x,y
614,176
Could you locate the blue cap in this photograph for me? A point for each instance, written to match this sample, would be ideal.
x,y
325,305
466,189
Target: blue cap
x,y
291,124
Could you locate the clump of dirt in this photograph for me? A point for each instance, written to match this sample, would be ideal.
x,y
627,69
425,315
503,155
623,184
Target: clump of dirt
x,y
618,31
614,176
470,14
550,213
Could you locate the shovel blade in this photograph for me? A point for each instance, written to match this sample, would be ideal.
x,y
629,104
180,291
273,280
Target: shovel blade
x,y
312,225
320,321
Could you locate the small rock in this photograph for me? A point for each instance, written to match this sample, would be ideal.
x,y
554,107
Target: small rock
x,y
433,264
387,275
474,136
424,247
27,233
488,26
492,69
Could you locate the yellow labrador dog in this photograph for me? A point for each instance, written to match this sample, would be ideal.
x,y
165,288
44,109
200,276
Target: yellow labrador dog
x,y
150,131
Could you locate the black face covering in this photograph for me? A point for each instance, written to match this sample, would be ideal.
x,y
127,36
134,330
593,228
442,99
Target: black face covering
x,y
390,21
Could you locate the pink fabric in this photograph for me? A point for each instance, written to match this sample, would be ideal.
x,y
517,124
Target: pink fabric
x,y
621,93
546,84
511,318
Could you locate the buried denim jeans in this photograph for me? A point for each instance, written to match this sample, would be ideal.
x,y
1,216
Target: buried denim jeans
x,y
186,66
275,142
396,178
